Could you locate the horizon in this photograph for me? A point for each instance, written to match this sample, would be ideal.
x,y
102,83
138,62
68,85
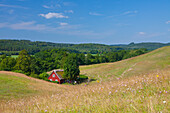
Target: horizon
x,y
85,42
77,22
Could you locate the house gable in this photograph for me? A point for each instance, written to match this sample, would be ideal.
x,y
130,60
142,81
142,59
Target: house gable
x,y
56,75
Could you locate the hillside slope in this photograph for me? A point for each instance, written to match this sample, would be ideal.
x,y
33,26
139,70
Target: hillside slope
x,y
16,85
154,61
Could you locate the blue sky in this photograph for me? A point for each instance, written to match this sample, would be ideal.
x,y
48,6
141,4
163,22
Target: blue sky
x,y
86,21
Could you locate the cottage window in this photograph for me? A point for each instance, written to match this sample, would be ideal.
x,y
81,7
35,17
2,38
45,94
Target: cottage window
x,y
50,79
53,75
56,80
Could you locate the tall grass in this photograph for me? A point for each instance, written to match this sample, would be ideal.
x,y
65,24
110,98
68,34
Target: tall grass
x,y
145,93
150,62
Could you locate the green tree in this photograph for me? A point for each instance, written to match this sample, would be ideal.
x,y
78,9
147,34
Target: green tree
x,y
71,67
7,64
23,62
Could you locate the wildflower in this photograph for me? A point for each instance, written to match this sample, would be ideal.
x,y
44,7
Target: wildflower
x,y
157,76
166,92
160,91
97,81
110,92
85,85
164,101
116,91
45,111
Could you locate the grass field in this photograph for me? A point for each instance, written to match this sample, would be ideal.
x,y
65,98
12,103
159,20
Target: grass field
x,y
150,62
139,84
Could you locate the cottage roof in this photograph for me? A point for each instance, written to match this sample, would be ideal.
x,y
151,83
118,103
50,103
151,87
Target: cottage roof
x,y
57,72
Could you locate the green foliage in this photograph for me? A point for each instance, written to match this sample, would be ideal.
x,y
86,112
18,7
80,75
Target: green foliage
x,y
82,77
7,63
12,47
147,45
43,75
71,67
23,62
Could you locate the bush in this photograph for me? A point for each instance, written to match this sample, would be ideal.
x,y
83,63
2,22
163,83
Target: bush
x,y
18,71
83,77
55,82
43,75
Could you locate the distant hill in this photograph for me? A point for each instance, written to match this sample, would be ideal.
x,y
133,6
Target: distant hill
x,y
147,45
36,46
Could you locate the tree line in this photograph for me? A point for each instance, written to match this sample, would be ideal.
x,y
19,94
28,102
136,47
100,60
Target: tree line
x,y
44,61
12,47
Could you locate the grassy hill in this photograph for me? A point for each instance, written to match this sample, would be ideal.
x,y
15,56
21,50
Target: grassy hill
x,y
150,62
139,84
16,85
147,45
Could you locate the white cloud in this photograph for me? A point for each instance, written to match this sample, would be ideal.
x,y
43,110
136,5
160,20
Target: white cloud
x,y
94,14
69,11
12,6
130,12
168,22
52,6
53,15
24,26
47,7
63,24
69,4
142,33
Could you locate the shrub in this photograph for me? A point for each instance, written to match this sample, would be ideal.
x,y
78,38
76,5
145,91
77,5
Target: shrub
x,y
43,75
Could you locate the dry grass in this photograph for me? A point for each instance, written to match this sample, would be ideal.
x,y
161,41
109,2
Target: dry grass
x,y
147,93
150,62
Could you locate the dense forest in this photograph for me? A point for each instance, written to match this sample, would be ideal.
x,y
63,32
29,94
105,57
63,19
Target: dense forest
x,y
147,45
14,46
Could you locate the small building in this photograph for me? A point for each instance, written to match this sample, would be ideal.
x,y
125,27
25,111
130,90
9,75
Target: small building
x,y
56,75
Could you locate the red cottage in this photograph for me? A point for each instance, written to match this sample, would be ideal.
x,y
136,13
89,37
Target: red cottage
x,y
56,75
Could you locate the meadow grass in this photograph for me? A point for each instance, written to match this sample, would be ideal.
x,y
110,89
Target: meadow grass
x,y
147,93
150,62
14,87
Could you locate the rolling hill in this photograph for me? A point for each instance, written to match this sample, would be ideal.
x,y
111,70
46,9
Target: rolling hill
x,y
147,45
154,61
138,84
